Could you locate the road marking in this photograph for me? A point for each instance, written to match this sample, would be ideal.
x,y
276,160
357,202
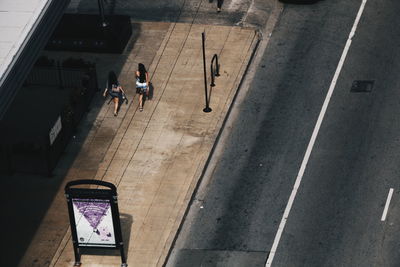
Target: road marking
x,y
385,210
313,137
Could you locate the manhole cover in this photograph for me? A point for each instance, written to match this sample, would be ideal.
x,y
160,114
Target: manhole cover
x,y
362,86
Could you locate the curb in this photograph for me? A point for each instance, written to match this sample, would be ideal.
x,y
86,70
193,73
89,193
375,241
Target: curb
x,y
260,35
210,156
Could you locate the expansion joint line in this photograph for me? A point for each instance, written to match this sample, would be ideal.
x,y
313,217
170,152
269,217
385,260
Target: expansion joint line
x,y
162,93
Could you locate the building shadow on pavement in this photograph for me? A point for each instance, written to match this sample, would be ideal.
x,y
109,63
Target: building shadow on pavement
x,y
29,200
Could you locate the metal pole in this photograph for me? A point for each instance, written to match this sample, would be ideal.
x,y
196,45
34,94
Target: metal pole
x,y
101,9
73,230
212,84
207,108
77,254
123,258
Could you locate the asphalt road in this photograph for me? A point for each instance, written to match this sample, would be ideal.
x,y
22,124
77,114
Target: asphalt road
x,y
336,216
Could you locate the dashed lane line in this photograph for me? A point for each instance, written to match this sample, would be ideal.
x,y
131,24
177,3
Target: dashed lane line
x,y
385,210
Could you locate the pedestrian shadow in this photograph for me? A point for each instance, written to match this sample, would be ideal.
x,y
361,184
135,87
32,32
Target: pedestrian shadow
x,y
151,91
219,2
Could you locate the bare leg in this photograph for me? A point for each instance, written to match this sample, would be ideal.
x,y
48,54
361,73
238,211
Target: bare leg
x,y
115,99
141,102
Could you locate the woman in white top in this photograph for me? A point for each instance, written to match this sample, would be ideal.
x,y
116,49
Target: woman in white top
x,y
142,83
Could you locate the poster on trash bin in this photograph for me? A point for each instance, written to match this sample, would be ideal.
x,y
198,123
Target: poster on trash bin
x,y
94,222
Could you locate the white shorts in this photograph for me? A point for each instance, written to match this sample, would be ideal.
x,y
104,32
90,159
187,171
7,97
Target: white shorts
x,y
141,85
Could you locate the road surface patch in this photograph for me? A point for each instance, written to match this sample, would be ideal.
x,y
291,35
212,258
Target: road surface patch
x,y
362,86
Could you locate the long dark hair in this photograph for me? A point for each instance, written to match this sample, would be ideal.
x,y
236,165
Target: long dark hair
x,y
142,72
112,79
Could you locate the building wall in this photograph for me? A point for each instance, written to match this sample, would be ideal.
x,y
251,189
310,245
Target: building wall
x,y
27,56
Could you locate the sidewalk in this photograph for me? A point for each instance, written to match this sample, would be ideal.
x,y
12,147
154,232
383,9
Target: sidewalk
x,y
154,157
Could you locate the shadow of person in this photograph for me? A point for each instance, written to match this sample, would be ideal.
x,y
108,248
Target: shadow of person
x,y
219,3
151,91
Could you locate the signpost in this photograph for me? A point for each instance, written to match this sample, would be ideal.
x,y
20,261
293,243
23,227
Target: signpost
x,y
94,217
207,108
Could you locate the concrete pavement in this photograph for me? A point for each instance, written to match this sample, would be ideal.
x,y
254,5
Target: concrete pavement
x,y
154,157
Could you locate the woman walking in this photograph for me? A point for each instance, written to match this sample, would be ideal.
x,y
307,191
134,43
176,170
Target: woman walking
x,y
142,83
115,91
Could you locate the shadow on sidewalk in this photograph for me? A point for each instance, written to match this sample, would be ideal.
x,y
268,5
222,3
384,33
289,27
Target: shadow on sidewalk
x,y
126,224
209,95
26,199
151,91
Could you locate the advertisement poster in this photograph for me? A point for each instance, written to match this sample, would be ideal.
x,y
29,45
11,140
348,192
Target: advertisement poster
x,y
94,224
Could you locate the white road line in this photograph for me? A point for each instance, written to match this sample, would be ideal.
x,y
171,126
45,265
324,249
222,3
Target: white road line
x,y
385,210
313,137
